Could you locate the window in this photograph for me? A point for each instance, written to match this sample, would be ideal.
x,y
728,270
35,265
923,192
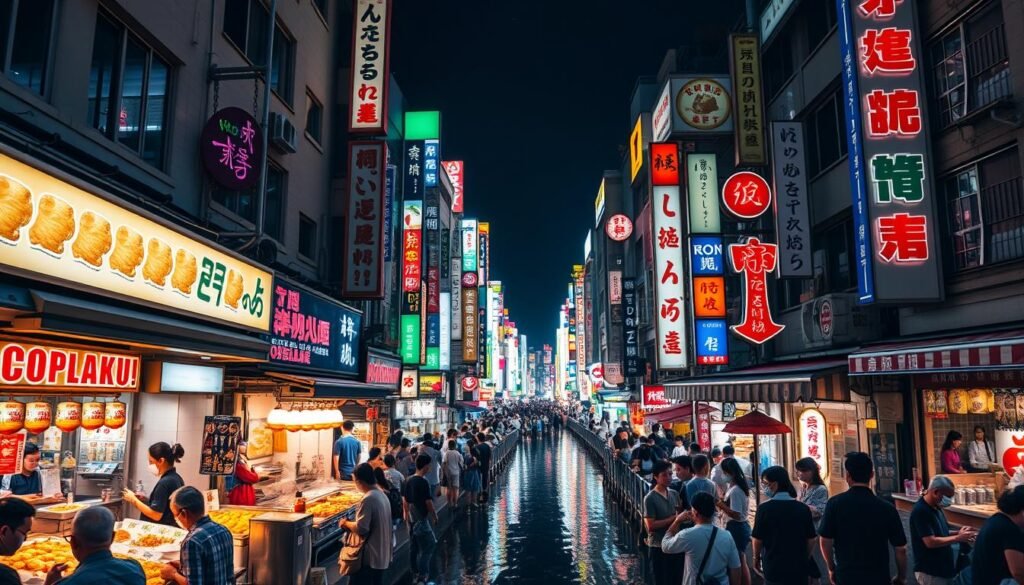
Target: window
x,y
314,117
778,64
826,141
128,89
833,247
307,237
26,27
986,211
820,19
243,203
970,67
245,23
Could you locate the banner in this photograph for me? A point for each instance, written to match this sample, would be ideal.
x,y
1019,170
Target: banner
x,y
792,209
371,29
745,58
37,367
364,222
313,332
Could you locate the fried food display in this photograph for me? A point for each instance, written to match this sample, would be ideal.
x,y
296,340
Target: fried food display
x,y
237,521
184,271
37,557
93,241
54,225
127,252
122,536
233,291
152,541
333,504
158,262
65,507
15,208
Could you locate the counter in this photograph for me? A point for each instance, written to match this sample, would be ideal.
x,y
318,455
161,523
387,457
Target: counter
x,y
958,515
55,519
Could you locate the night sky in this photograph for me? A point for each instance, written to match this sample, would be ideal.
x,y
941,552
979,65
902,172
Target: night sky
x,y
534,96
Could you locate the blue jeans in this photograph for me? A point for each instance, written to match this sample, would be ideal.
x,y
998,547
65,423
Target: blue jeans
x,y
422,551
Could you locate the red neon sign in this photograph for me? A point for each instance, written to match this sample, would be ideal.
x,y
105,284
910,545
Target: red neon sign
x,y
746,195
755,261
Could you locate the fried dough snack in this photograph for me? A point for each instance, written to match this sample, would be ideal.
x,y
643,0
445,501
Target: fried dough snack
x,y
15,208
54,224
234,289
158,262
184,271
128,252
93,240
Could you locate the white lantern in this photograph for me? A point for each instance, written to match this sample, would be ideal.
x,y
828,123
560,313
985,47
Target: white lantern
x,y
276,419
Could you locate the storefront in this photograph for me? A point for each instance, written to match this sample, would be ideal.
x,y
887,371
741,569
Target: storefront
x,y
955,384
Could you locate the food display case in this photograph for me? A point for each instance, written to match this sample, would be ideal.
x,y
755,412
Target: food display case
x,y
55,519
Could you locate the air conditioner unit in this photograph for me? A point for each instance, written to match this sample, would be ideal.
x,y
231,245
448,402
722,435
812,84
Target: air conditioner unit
x,y
837,319
282,133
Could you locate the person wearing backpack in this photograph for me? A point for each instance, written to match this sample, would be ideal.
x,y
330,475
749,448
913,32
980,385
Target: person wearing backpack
x,y
711,555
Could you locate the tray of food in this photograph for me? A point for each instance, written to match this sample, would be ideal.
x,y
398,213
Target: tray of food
x,y
63,511
146,540
35,558
236,518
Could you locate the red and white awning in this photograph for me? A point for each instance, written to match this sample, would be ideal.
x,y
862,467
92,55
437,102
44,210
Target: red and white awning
x,y
985,351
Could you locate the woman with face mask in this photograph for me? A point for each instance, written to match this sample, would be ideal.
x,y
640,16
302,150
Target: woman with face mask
x,y
157,508
784,534
735,507
28,485
243,494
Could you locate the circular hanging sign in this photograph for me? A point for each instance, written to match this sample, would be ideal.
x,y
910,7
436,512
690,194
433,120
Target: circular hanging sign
x,y
825,318
231,147
704,104
619,227
469,279
746,195
470,383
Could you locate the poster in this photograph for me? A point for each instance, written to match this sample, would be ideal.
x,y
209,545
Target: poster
x,y
220,445
261,439
883,455
12,449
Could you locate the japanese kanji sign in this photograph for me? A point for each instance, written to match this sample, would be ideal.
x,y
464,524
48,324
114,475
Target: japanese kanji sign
x,y
653,396
749,102
709,296
629,327
470,243
582,340
390,176
431,162
670,277
455,273
446,331
470,325
706,256
814,438
313,332
792,211
456,174
702,187
665,163
371,28
746,195
755,261
893,198
231,146
702,105
711,342
412,246
618,227
364,222
413,169
661,114
709,302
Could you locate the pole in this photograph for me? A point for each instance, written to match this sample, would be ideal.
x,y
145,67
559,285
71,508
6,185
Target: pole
x,y
757,477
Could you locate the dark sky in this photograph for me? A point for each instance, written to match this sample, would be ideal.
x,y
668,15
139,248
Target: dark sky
x,y
534,96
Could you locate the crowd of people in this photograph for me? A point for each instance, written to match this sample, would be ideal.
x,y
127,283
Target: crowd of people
x,y
697,513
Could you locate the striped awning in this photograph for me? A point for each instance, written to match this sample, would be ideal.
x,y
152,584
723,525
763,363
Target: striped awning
x,y
984,351
807,381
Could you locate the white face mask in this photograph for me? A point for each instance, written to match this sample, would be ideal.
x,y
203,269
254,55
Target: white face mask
x,y
153,469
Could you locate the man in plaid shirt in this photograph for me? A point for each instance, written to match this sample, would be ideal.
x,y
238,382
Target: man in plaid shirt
x,y
207,554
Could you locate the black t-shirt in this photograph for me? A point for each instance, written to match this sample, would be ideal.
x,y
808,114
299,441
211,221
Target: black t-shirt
x,y
160,497
620,443
861,527
9,576
27,485
416,491
485,454
998,535
928,521
784,527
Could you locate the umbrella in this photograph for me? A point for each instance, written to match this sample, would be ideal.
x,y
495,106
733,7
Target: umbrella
x,y
756,423
676,413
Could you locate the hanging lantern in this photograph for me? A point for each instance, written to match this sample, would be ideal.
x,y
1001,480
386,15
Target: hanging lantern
x,y
115,414
38,417
929,403
293,421
977,399
12,417
958,401
275,419
93,414
991,401
69,416
321,420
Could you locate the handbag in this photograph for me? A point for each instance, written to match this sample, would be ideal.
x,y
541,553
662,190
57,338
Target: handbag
x,y
707,553
350,561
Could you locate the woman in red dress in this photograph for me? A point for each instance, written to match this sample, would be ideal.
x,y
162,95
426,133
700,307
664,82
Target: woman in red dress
x,y
243,493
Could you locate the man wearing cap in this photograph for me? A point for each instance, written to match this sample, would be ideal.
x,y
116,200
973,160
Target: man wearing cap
x,y
935,548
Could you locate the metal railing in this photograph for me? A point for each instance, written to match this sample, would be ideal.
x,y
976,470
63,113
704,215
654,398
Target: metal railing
x,y
502,452
626,486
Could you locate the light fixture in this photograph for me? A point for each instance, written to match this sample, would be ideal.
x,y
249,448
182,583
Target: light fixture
x,y
871,414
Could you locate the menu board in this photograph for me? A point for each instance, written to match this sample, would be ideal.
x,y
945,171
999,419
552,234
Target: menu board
x,y
220,444
883,454
12,449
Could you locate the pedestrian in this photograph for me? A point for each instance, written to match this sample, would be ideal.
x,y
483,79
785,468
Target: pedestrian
x,y
784,534
92,533
660,508
813,491
452,469
700,482
243,494
15,523
375,458
858,527
395,477
620,441
999,549
950,453
680,447
207,555
367,551
405,461
346,452
433,475
711,555
694,449
934,546
471,473
643,460
981,452
682,468
718,474
420,515
156,507
484,457
735,507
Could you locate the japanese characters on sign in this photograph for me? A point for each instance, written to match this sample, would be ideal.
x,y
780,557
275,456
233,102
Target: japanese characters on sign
x,y
814,438
456,174
470,243
312,332
709,296
661,115
746,81
364,222
704,430
455,273
445,359
711,342
470,324
390,174
706,256
413,179
618,227
755,261
702,191
702,105
578,274
431,162
893,198
746,195
615,287
483,247
653,396
382,369
669,297
231,146
371,27
629,328
708,286
412,246
410,386
665,163
772,15
409,336
792,212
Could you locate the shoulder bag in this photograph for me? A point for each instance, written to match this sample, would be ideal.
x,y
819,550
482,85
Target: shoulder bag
x,y
350,561
707,553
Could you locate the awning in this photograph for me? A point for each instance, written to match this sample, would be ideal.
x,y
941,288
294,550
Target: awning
x,y
469,406
982,351
326,387
679,412
63,315
807,381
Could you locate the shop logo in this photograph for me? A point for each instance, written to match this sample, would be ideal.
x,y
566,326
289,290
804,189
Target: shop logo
x,y
704,104
470,383
469,279
825,318
746,195
619,227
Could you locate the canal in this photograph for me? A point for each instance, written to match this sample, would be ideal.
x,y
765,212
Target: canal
x,y
549,521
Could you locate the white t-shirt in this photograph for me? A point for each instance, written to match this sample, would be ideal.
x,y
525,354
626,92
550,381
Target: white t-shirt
x,y
693,542
679,451
738,502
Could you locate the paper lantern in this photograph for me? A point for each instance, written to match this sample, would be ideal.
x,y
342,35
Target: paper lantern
x,y
93,414
292,421
275,420
940,405
38,417
958,401
991,401
977,401
12,417
69,416
308,420
929,403
115,414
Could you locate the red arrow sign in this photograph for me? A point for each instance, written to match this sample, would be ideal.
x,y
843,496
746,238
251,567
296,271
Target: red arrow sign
x,y
755,261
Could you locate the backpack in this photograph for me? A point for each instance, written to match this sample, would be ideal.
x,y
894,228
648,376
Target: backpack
x,y
395,499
